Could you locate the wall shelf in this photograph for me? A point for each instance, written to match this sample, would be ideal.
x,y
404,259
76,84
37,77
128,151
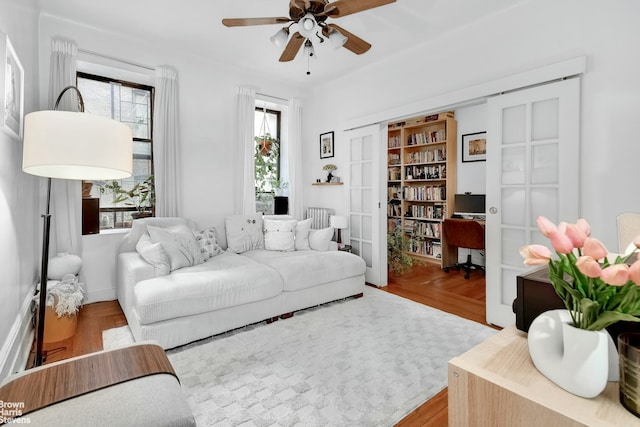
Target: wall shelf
x,y
327,183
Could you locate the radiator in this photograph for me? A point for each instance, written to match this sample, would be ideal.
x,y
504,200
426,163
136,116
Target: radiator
x,y
320,217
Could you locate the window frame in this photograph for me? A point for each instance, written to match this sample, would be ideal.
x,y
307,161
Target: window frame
x,y
268,196
104,79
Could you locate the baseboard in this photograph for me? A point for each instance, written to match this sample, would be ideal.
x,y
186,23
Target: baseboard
x,y
15,352
99,295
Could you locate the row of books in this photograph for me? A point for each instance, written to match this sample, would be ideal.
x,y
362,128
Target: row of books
x,y
426,247
429,230
395,141
393,224
421,138
426,212
393,158
427,156
425,172
393,174
394,209
425,193
394,192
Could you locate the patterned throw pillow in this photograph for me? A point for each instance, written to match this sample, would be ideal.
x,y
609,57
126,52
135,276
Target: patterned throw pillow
x,y
208,243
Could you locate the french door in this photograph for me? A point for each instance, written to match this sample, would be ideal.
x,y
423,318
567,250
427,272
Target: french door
x,y
365,201
532,169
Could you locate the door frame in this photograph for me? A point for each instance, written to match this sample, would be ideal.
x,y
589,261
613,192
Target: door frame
x,y
468,96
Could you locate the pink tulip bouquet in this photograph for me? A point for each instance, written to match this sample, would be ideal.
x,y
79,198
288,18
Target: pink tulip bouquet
x,y
596,290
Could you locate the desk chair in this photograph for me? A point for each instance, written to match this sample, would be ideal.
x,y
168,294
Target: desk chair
x,y
464,233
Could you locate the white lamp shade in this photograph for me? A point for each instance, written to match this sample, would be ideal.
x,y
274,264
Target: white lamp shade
x,y
338,221
69,145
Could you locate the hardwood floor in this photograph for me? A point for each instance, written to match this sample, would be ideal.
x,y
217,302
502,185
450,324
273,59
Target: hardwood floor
x,y
426,284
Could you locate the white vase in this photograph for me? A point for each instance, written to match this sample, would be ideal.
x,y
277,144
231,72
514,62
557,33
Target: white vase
x,y
579,361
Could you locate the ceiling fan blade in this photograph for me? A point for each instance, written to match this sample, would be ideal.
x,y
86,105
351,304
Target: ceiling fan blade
x,y
341,8
292,48
354,43
242,22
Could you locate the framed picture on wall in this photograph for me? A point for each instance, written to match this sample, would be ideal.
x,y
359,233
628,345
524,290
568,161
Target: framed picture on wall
x,y
474,147
326,145
11,89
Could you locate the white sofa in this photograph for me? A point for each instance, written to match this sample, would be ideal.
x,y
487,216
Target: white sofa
x,y
228,290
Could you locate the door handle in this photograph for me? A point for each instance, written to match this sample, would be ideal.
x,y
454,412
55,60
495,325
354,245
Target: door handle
x,y
493,210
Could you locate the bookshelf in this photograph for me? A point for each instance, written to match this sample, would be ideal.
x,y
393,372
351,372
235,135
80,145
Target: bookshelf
x,y
421,180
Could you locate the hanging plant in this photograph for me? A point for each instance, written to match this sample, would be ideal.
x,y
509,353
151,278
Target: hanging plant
x,y
266,143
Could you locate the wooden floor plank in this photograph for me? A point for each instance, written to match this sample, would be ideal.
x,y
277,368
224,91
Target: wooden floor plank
x,y
426,284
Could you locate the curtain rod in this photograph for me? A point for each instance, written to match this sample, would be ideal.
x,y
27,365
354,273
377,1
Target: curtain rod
x,y
271,96
112,58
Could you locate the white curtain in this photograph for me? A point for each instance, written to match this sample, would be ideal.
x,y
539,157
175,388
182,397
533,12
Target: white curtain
x,y
165,142
295,159
66,195
245,200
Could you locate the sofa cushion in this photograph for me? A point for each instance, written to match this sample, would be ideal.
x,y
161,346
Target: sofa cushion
x,y
279,235
208,243
306,269
223,281
319,239
244,233
302,234
154,254
179,243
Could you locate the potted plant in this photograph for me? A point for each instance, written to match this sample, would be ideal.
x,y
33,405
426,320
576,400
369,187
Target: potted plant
x,y
265,143
397,246
266,165
141,196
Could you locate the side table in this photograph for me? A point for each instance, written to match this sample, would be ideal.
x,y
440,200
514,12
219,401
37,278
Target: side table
x,y
345,248
496,384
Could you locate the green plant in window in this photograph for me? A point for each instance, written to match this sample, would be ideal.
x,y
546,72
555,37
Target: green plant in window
x,y
141,195
266,163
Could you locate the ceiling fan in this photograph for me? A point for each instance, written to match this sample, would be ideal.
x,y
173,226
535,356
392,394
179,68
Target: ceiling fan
x,y
311,16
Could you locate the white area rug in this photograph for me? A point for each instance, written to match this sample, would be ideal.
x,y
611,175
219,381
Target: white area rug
x,y
364,362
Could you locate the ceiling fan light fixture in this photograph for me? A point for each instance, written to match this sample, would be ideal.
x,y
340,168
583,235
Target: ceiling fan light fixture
x,y
307,26
336,38
280,38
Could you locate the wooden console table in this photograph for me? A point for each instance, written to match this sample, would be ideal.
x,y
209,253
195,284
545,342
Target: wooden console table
x,y
496,384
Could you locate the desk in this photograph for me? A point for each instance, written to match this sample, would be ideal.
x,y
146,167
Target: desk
x,y
496,384
450,252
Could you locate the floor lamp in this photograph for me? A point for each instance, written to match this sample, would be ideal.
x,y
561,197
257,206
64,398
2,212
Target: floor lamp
x,y
71,145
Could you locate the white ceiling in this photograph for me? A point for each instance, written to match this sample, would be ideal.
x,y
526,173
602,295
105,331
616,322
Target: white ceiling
x,y
195,25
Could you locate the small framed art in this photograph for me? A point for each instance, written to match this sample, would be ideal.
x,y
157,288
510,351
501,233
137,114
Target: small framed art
x,y
11,89
326,145
474,147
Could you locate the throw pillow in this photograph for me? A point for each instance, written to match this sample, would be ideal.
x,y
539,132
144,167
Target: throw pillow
x,y
244,233
208,243
279,235
179,244
319,239
154,254
302,234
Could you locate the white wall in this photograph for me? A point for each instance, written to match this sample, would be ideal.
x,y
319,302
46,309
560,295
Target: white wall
x,y
207,102
19,201
527,36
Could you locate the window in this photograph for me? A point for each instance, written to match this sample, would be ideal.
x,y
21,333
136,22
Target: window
x,y
123,200
267,157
